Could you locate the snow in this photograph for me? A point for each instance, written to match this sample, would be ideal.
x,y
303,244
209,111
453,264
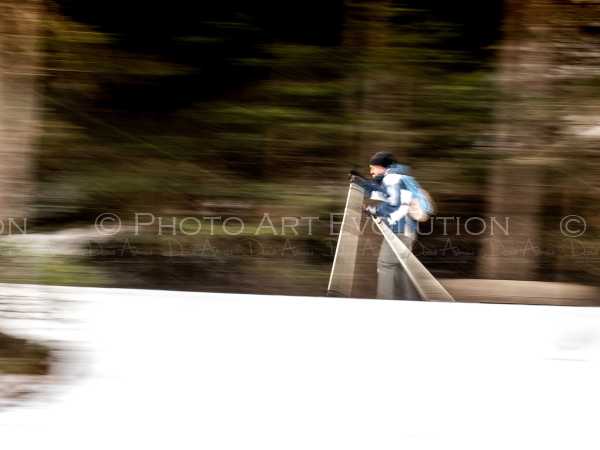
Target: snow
x,y
179,370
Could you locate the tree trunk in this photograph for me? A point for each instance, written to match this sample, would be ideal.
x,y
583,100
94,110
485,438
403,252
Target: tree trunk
x,y
378,103
20,23
524,120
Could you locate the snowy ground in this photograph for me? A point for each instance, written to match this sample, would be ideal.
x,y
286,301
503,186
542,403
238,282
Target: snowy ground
x,y
155,369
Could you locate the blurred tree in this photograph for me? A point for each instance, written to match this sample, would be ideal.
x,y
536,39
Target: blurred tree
x,y
543,168
522,122
381,83
20,28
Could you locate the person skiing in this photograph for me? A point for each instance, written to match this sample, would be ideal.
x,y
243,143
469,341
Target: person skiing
x,y
390,184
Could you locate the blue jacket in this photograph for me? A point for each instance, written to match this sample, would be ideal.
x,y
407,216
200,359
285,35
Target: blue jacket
x,y
397,197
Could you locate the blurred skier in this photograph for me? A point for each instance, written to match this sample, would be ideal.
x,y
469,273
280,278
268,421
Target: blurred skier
x,y
402,206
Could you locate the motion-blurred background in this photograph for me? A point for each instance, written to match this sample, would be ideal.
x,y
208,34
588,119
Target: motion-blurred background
x,y
240,109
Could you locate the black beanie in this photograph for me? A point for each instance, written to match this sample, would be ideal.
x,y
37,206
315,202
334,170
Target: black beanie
x,y
384,159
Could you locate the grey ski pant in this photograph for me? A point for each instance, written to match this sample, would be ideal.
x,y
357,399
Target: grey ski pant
x,y
392,281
